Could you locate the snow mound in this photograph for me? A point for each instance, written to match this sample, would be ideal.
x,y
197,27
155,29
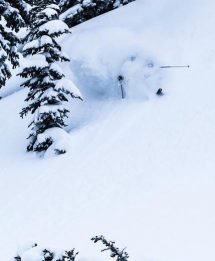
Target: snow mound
x,y
61,141
68,86
54,26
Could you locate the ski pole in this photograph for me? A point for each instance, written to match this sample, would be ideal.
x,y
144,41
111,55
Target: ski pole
x,y
174,66
121,79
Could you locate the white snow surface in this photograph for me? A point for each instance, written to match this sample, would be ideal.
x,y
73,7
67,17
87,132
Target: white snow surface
x,y
71,11
61,140
49,12
66,85
33,44
45,39
139,170
54,26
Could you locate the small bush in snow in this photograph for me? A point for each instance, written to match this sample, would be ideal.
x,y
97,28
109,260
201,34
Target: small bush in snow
x,y
37,253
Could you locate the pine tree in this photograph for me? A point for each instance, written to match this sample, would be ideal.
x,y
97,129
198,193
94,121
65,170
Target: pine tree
x,y
10,22
48,87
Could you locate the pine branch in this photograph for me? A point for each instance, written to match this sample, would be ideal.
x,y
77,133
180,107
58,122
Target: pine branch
x,y
115,252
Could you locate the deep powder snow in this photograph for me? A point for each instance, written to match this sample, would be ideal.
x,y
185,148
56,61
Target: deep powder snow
x,y
139,170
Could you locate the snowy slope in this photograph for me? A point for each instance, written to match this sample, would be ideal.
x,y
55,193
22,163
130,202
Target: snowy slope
x,y
140,171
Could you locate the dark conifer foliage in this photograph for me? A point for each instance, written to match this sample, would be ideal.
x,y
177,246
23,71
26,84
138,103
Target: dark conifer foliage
x,y
115,252
5,50
66,4
24,9
10,21
69,255
82,10
48,87
12,15
48,255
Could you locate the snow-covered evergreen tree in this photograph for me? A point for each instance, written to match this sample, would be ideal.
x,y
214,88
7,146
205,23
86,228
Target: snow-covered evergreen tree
x,y
48,87
12,15
24,9
65,4
78,11
10,21
4,52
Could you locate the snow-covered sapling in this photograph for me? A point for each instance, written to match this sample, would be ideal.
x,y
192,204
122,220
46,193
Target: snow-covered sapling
x,y
49,89
69,255
37,253
48,255
115,252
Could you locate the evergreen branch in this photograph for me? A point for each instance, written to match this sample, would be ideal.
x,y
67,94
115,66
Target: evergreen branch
x,y
121,255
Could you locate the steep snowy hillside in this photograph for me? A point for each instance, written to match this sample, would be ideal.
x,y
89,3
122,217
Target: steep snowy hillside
x,y
139,170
